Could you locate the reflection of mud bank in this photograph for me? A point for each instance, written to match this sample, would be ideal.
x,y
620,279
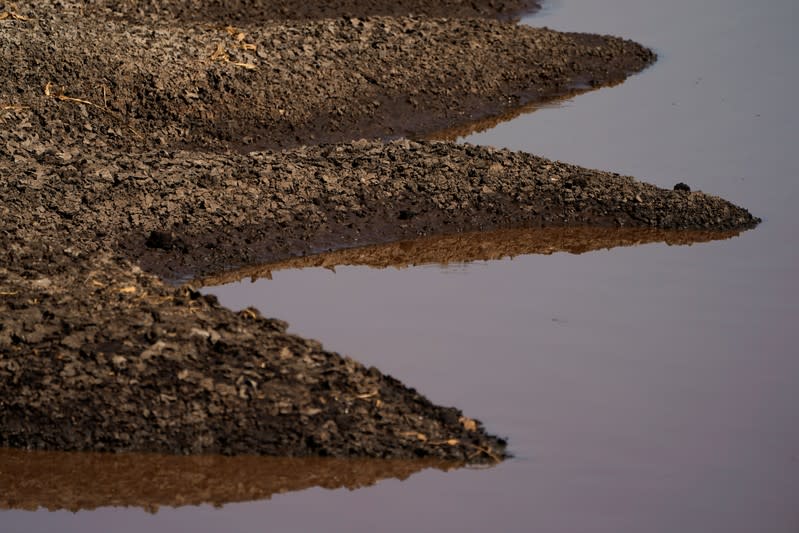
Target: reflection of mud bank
x,y
477,126
83,481
474,246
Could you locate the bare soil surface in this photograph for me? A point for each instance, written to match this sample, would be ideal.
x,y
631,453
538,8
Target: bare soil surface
x,y
259,11
134,151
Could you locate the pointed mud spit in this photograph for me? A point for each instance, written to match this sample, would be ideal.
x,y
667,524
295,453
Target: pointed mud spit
x,y
97,352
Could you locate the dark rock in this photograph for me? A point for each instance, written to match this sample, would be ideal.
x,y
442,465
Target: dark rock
x,y
163,240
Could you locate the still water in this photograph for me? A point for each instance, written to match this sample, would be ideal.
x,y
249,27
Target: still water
x,y
648,388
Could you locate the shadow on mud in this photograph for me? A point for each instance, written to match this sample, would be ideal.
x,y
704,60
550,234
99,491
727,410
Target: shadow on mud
x,y
83,481
475,246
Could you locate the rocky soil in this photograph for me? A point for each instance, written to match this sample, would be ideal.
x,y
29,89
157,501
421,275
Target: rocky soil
x,y
139,147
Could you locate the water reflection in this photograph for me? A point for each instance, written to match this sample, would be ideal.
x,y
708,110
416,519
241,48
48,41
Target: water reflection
x,y
83,481
486,124
474,246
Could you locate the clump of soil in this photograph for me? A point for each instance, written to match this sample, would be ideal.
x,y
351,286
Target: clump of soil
x,y
124,168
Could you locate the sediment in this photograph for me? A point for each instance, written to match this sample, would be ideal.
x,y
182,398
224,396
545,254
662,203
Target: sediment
x,y
159,160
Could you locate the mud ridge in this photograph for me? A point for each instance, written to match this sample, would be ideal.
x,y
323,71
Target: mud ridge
x,y
280,84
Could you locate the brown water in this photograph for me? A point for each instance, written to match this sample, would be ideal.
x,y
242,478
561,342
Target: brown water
x,y
646,388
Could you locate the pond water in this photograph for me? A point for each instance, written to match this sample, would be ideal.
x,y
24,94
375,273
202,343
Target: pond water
x,y
648,388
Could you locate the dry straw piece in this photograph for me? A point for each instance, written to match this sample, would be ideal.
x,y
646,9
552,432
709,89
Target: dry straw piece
x,y
220,54
48,92
11,14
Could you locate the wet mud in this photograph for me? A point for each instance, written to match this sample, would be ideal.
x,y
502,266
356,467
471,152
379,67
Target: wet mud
x,y
156,162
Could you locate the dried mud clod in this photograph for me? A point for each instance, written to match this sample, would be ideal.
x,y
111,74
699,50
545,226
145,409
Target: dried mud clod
x,y
123,168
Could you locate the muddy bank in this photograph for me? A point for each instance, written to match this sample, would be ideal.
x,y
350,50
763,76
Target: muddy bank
x,y
278,83
85,481
182,214
124,168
